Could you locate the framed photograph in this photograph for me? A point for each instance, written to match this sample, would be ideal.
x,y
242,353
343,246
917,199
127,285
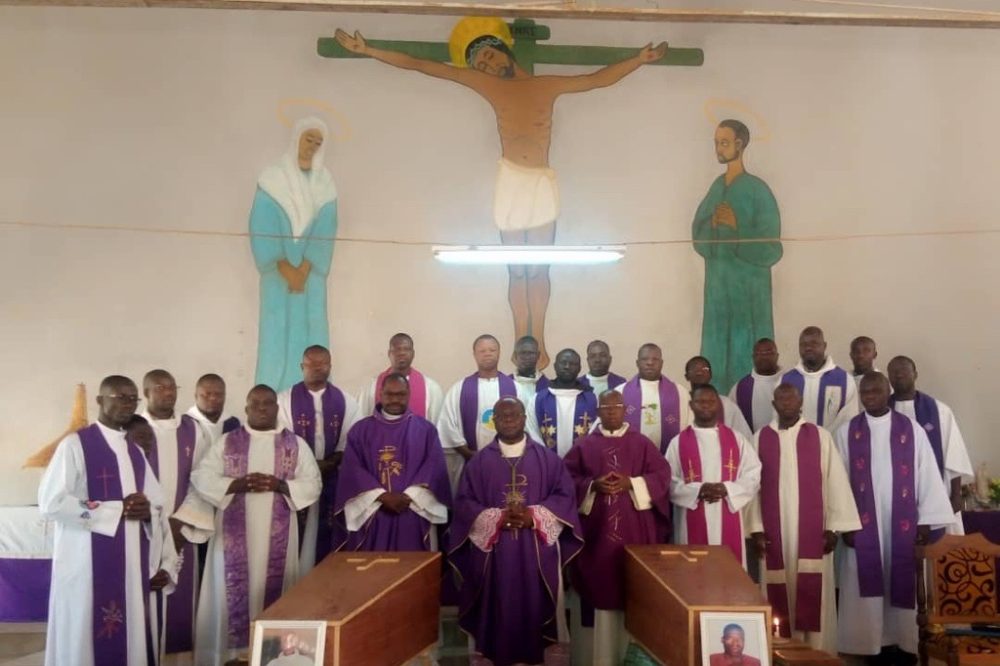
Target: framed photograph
x,y
734,638
287,643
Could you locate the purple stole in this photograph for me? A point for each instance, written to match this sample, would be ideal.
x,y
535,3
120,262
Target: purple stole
x,y
809,584
670,408
418,390
468,404
744,398
613,380
547,414
230,424
697,525
903,518
180,610
236,455
110,613
926,410
304,417
834,377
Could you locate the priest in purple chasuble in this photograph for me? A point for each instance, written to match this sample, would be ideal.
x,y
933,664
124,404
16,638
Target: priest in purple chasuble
x,y
805,500
393,486
715,473
698,371
257,477
623,491
112,544
565,410
178,444
654,405
321,414
466,422
900,497
516,525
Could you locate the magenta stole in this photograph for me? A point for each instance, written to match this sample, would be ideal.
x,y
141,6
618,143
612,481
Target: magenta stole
x,y
670,409
110,614
809,580
236,455
418,390
902,517
697,525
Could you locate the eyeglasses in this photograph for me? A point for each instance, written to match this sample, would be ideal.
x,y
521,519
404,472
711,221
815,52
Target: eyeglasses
x,y
124,398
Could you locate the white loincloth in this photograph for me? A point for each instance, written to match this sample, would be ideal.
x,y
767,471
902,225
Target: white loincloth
x,y
525,197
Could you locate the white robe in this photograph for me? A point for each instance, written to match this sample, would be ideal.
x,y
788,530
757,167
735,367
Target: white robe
x,y
599,384
433,398
763,394
840,514
740,492
527,389
650,421
285,419
69,638
833,415
212,484
211,431
733,417
866,624
565,420
169,478
449,424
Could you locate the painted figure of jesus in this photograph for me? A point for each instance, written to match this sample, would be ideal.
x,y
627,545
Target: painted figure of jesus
x,y
526,201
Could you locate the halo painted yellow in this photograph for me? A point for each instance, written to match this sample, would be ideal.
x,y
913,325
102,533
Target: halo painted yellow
x,y
717,110
471,28
340,128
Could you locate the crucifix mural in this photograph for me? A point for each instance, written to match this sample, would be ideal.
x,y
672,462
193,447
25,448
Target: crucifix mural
x,y
497,61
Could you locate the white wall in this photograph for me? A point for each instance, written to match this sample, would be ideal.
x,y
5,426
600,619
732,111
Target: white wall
x,y
162,119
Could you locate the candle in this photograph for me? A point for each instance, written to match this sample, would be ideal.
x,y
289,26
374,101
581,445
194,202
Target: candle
x,y
777,627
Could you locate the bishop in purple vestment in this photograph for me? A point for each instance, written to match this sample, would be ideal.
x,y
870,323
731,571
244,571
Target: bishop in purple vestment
x,y
515,527
393,481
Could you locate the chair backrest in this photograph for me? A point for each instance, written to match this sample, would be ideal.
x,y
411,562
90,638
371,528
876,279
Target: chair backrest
x,y
961,579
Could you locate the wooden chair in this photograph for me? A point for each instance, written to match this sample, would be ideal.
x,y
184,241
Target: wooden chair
x,y
957,585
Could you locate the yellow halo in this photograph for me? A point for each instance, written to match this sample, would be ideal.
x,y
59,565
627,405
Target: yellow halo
x,y
717,110
472,27
340,128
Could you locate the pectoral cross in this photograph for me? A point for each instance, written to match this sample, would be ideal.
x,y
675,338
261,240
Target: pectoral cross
x,y
527,50
731,467
388,466
584,426
104,476
514,494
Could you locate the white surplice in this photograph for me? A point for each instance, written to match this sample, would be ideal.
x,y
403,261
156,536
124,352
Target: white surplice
x,y
565,419
833,415
285,420
740,492
211,430
840,514
761,408
733,417
212,484
866,624
650,422
61,497
433,398
449,424
599,384
527,388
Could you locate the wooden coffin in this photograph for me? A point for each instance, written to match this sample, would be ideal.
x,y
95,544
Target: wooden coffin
x,y
667,589
381,609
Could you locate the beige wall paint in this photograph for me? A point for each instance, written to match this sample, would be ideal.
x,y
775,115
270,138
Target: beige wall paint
x,y
162,119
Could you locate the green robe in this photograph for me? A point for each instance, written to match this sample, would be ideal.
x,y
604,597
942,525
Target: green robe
x,y
737,309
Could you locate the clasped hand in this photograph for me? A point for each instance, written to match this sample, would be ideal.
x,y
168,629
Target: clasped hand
x,y
612,483
135,507
516,517
255,482
395,502
712,492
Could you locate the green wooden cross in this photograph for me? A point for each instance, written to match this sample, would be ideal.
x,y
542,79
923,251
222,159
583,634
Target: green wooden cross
x,y
527,50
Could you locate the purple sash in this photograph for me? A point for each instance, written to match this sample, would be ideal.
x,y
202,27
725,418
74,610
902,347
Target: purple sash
x,y
670,408
468,404
697,524
304,413
903,517
547,414
180,604
110,612
744,399
926,410
236,455
836,376
809,585
230,424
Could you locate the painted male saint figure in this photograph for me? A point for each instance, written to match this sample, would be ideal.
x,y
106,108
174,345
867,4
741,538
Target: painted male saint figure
x,y
526,202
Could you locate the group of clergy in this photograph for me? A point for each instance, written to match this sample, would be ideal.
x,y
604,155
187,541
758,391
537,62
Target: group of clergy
x,y
531,486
